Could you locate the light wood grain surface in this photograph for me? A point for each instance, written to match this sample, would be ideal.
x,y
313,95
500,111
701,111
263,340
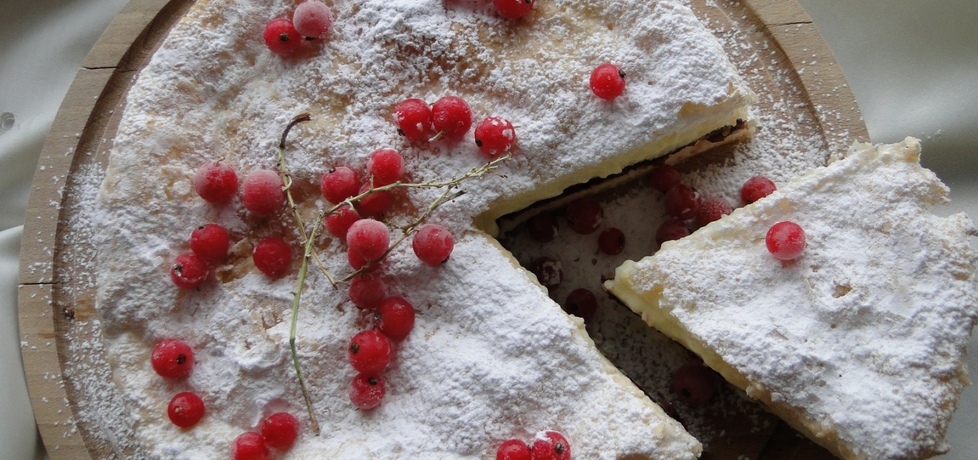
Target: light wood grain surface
x,y
54,315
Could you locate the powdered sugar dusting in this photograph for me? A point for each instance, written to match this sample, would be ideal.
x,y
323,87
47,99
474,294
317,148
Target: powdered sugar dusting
x,y
861,338
491,356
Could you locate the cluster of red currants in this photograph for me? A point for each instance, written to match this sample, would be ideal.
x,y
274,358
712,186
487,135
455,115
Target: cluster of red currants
x,y
546,445
310,23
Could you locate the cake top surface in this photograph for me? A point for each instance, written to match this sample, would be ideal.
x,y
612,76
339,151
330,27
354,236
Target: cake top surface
x,y
865,332
212,91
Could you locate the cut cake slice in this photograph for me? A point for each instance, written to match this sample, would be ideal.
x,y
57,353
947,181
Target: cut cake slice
x,y
859,343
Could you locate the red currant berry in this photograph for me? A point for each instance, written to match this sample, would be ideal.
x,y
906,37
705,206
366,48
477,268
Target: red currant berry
x,y
786,240
396,317
281,37
367,391
451,117
543,227
513,449
386,166
338,223
262,192
607,81
272,256
670,230
312,19
494,136
513,9
339,183
433,244
413,119
755,188
664,177
549,272
210,242
367,291
358,262
611,241
368,238
249,446
582,303
172,359
550,445
712,209
188,270
185,409
694,384
585,215
216,182
280,430
370,351
375,203
681,201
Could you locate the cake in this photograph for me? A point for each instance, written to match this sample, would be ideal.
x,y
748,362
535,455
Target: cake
x,y
859,341
491,357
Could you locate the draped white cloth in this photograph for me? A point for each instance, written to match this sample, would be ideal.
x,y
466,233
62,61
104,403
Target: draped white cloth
x,y
912,65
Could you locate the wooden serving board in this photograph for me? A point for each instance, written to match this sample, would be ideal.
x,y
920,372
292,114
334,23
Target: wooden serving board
x,y
59,327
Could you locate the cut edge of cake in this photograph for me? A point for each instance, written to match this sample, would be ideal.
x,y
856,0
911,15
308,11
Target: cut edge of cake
x,y
653,289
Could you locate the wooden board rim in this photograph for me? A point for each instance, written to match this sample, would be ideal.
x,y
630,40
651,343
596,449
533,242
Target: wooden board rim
x,y
99,87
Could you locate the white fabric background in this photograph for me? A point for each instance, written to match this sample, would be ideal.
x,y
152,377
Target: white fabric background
x,y
912,65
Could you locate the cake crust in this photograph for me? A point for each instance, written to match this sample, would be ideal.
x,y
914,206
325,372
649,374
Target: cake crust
x,y
858,343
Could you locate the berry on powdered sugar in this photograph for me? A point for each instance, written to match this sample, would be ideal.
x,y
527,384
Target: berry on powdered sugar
x,y
312,19
249,446
280,430
367,391
188,270
210,242
513,9
370,351
755,188
185,409
261,192
494,136
413,119
367,291
172,359
396,317
785,240
513,449
451,117
216,182
281,37
272,256
607,81
339,183
433,244
550,445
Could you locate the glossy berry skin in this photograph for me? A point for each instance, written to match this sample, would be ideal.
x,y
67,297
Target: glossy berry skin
x,y
582,303
584,215
338,184
433,244
339,222
185,409
367,391
694,384
385,166
281,37
312,19
663,177
370,351
216,182
607,81
451,117
513,449
494,136
670,230
543,227
272,256
550,445
280,430
210,242
261,192
375,203
755,188
513,9
785,240
681,202
172,359
368,238
188,270
396,318
249,446
611,241
712,209
413,119
367,291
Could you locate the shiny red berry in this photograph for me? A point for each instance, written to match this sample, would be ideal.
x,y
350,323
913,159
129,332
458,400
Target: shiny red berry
x,y
712,209
681,201
494,136
755,188
172,359
451,117
272,256
785,240
249,446
670,230
433,244
370,351
396,317
216,182
185,409
368,238
367,391
607,81
375,203
339,222
339,183
281,37
262,193
367,291
188,270
210,242
280,430
513,449
550,445
385,166
413,119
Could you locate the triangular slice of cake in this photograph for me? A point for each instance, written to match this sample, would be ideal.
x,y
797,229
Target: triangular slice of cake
x,y
858,342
